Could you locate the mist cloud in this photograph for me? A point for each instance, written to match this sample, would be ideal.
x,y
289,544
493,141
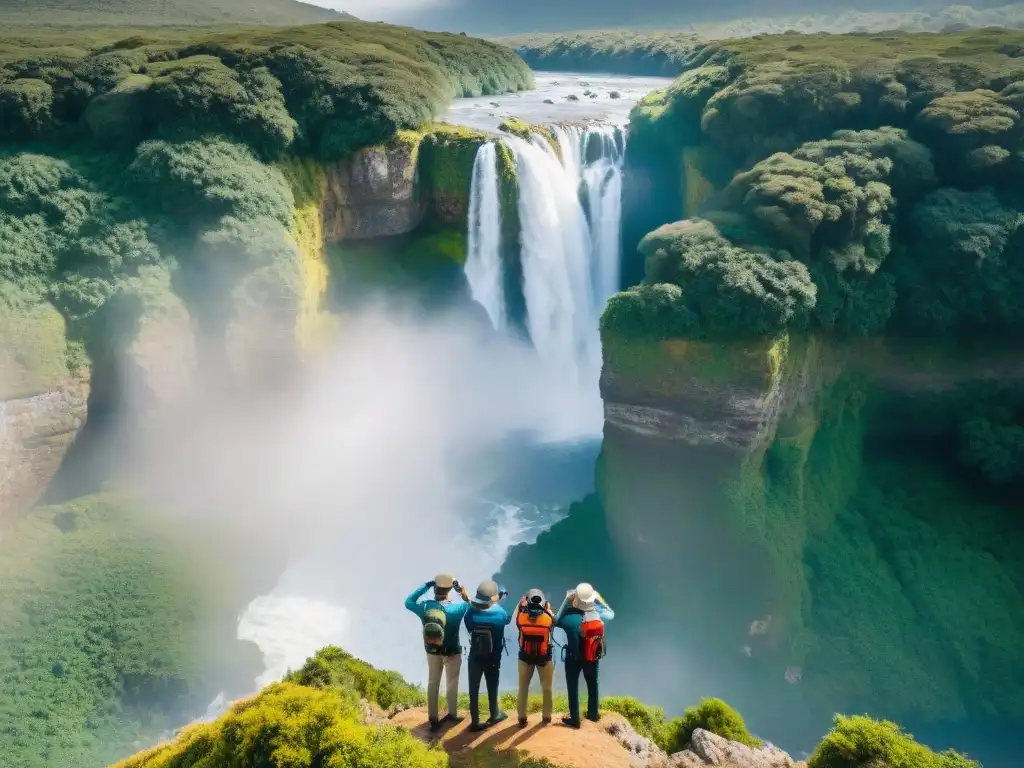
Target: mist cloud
x,y
358,475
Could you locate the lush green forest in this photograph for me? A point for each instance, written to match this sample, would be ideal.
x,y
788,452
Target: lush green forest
x,y
141,13
822,207
108,635
124,159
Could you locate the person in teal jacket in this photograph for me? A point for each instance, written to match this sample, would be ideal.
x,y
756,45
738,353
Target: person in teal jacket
x,y
486,622
441,619
580,604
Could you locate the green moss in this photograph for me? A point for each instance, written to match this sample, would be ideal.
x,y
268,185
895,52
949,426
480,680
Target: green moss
x,y
33,348
526,130
446,169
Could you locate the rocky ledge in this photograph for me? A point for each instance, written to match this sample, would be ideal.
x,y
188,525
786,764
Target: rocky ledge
x,y
374,193
704,749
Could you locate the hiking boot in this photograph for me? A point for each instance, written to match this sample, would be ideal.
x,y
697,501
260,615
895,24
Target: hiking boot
x,y
478,726
569,722
501,717
522,722
453,719
435,726
594,719
546,720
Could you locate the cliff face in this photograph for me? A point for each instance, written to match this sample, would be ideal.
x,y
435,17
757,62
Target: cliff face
x,y
42,406
375,192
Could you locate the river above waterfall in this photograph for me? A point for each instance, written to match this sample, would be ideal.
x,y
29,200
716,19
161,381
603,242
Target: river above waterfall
x,y
488,112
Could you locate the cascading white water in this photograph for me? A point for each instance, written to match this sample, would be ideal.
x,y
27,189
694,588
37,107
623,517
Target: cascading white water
x,y
602,181
483,260
555,257
570,211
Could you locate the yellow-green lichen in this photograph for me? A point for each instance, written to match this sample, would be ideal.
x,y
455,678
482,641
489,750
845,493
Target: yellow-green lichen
x,y
314,326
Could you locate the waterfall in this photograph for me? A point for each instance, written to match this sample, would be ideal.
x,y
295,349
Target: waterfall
x,y
570,214
483,259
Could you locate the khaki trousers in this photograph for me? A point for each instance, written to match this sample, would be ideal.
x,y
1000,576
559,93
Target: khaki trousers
x,y
452,666
546,673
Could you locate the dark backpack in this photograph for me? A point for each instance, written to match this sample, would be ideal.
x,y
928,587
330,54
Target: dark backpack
x,y
481,642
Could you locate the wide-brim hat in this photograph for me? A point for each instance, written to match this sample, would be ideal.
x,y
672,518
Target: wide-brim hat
x,y
485,594
444,581
585,598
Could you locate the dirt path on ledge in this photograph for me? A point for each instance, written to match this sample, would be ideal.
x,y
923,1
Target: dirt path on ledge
x,y
589,747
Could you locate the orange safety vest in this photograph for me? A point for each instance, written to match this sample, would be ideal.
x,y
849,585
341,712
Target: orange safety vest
x,y
534,633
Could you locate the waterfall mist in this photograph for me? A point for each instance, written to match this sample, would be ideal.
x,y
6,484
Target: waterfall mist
x,y
360,474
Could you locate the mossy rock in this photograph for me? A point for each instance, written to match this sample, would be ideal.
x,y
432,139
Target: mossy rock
x,y
34,353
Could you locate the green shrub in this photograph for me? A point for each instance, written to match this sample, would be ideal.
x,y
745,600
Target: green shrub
x,y
857,741
291,725
729,290
711,715
963,265
331,667
201,180
205,95
26,108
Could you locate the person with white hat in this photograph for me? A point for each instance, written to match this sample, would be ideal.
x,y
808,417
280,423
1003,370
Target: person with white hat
x,y
582,617
486,622
441,619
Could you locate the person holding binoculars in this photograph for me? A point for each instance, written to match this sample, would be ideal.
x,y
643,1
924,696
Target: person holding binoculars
x,y
441,619
486,622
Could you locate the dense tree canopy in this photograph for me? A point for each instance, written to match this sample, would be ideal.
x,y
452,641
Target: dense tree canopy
x,y
906,222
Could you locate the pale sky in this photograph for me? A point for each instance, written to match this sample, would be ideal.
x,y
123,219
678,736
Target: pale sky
x,y
380,10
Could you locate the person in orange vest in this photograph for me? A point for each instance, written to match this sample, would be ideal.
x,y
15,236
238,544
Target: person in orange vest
x,y
535,621
582,616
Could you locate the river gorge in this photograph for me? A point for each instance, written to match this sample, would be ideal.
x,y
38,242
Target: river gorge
x,y
741,348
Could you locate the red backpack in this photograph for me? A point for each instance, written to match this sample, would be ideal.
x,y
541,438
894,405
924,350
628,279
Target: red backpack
x,y
592,646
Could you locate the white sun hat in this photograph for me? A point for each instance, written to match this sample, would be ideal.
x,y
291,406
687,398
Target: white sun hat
x,y
586,597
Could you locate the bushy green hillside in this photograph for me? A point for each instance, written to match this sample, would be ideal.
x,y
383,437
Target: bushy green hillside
x,y
666,48
140,13
111,632
314,719
155,152
837,184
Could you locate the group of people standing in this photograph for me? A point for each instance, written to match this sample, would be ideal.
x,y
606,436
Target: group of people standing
x,y
581,617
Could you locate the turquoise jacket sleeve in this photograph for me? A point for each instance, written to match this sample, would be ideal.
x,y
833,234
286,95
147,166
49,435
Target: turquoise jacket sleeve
x,y
606,613
457,612
412,601
561,613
